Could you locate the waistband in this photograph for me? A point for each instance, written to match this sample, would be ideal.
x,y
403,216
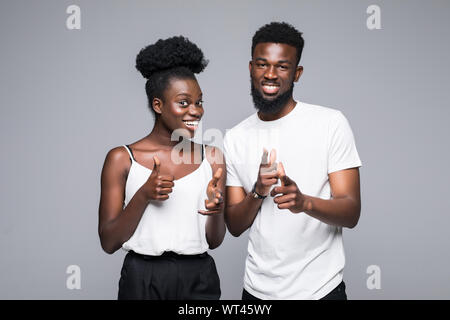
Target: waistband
x,y
169,255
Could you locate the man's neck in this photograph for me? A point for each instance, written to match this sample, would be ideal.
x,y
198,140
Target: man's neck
x,y
290,105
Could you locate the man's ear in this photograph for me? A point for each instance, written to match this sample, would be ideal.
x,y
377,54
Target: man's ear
x,y
298,73
250,66
157,105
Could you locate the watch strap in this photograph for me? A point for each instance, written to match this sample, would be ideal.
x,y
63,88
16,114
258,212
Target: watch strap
x,y
255,194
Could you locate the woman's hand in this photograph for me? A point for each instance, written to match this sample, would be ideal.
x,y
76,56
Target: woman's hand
x,y
157,187
214,203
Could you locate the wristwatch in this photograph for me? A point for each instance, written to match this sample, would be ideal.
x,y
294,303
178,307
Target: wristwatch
x,y
256,195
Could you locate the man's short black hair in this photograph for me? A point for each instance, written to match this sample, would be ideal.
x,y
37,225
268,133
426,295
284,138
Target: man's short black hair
x,y
279,32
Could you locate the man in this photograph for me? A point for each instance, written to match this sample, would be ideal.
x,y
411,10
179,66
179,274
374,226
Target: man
x,y
297,199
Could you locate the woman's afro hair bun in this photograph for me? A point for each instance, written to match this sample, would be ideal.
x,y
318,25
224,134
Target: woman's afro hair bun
x,y
170,53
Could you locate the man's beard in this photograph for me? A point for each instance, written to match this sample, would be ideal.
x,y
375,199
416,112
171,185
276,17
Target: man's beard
x,y
270,106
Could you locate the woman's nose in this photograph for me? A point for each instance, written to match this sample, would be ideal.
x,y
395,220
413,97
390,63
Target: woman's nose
x,y
195,110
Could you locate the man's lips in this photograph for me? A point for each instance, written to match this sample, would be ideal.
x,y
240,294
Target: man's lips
x,y
270,88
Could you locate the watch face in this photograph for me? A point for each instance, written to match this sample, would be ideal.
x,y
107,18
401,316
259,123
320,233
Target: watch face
x,y
254,194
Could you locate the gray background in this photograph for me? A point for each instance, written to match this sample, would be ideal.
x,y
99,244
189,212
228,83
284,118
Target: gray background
x,y
69,96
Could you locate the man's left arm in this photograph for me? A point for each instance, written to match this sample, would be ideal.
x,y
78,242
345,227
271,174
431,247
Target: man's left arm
x,y
343,209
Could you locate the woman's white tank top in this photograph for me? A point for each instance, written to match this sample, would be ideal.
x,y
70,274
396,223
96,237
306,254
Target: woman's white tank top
x,y
174,224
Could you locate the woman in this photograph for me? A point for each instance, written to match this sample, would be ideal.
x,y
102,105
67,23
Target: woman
x,y
168,216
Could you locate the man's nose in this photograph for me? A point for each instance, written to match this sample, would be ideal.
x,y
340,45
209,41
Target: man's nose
x,y
271,73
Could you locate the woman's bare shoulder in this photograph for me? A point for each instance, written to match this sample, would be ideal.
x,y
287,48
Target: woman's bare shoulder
x,y
117,161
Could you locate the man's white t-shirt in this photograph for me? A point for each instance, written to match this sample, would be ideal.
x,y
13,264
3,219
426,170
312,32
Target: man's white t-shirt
x,y
292,256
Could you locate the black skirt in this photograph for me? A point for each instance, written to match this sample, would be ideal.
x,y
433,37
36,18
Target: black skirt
x,y
169,277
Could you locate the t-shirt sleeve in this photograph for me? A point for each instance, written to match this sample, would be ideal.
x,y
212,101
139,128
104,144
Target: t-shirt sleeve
x,y
342,153
229,151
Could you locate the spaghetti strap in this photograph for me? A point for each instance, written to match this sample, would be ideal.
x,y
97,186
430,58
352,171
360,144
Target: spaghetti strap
x,y
129,152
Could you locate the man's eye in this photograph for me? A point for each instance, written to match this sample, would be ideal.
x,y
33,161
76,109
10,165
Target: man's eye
x,y
283,67
184,103
261,65
200,102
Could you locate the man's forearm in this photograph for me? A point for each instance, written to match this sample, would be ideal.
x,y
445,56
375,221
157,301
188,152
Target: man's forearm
x,y
239,217
341,212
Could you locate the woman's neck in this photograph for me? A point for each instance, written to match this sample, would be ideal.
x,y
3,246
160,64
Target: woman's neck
x,y
162,136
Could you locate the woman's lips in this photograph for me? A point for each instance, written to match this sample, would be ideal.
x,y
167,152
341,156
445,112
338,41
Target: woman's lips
x,y
191,124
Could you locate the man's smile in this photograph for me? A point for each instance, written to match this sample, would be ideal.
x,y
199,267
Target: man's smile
x,y
270,88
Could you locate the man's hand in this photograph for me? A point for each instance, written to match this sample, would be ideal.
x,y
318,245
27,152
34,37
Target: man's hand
x,y
214,203
291,197
267,174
